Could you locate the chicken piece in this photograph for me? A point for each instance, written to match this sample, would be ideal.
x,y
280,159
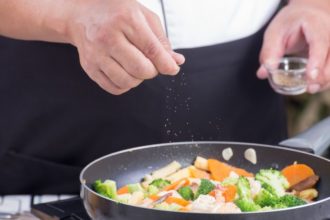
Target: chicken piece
x,y
228,207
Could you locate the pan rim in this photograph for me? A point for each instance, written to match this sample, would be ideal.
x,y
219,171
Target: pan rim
x,y
84,185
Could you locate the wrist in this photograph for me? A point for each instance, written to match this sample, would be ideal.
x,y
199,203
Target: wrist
x,y
56,20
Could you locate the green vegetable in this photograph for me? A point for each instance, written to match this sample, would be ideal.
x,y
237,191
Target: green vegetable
x,y
273,181
124,198
204,188
244,188
160,183
291,201
135,188
152,190
186,193
168,207
247,205
280,206
264,198
229,181
245,201
108,188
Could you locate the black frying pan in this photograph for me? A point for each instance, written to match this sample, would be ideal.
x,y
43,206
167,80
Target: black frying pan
x,y
129,166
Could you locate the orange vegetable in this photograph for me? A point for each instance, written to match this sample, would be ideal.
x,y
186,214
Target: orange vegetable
x,y
173,186
184,209
297,172
154,197
230,193
123,190
201,174
212,193
220,171
178,201
242,172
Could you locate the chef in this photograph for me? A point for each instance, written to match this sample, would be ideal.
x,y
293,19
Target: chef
x,y
81,79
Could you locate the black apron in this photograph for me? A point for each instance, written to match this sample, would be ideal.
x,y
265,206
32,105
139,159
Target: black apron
x,y
54,119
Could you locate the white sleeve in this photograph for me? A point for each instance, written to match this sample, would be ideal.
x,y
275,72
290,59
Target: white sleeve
x,y
195,23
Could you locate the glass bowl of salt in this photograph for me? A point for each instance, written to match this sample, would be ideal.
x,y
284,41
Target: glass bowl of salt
x,y
287,75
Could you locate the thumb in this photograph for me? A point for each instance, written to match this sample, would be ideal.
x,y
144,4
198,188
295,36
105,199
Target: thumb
x,y
273,49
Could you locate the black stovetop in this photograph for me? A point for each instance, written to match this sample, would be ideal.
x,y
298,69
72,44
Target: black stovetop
x,y
70,209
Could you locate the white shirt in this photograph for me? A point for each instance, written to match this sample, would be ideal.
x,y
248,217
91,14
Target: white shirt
x,y
196,23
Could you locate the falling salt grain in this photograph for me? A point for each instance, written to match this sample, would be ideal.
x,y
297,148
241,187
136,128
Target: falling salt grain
x,y
251,155
227,153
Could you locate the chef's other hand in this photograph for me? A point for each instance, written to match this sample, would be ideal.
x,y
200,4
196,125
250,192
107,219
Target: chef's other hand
x,y
121,43
302,27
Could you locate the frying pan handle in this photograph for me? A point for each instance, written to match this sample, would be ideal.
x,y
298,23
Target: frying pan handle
x,y
315,140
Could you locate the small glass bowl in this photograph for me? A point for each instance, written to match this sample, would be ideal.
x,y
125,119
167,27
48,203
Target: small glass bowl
x,y
287,76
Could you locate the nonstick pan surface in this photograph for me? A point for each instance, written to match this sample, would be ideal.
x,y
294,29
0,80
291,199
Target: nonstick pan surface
x,y
130,166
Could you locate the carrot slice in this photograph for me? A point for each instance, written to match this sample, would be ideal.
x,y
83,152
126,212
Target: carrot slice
x,y
212,193
123,190
178,201
154,197
200,174
242,172
220,171
182,182
297,172
230,193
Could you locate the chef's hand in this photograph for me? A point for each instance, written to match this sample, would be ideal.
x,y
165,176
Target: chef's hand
x,y
121,43
301,27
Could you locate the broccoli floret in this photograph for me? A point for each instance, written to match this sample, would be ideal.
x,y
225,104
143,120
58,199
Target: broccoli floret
x,y
291,201
244,188
152,190
204,188
160,183
245,201
247,205
279,206
273,181
186,193
265,198
108,188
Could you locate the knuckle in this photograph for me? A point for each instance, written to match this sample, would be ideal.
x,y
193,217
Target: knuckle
x,y
164,41
151,50
114,44
119,16
107,86
123,15
87,66
123,83
129,83
143,71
